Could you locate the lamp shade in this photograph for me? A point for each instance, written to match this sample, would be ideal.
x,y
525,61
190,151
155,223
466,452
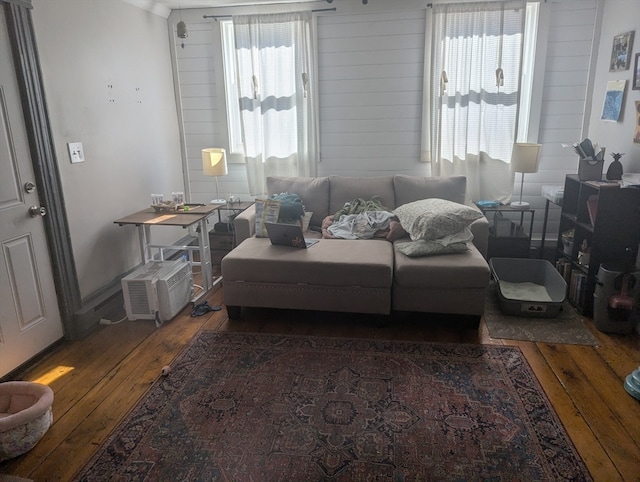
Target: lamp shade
x,y
525,157
214,161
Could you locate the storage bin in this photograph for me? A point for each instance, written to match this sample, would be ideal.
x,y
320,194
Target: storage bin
x,y
590,169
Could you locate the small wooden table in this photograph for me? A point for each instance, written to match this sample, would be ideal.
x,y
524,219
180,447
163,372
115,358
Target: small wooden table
x,y
195,217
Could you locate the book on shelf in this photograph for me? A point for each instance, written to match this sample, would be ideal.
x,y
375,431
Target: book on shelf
x,y
577,287
563,266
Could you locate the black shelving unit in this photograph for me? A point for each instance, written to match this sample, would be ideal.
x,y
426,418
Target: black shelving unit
x,y
607,217
223,237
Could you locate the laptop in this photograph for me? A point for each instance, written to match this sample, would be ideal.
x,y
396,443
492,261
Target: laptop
x,y
288,235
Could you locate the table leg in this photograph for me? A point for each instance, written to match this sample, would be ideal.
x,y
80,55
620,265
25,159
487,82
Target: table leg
x,y
144,238
205,256
544,228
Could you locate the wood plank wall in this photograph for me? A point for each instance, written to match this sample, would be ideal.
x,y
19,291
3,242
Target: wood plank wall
x,y
370,72
570,37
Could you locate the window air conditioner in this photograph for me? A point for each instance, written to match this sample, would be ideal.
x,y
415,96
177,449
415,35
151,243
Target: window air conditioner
x,y
158,290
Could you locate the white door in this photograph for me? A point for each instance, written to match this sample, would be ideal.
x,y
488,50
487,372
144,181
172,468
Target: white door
x,y
29,313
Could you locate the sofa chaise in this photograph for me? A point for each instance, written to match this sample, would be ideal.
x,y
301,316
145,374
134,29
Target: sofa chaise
x,y
361,275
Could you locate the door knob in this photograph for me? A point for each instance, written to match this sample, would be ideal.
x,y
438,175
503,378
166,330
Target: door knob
x,y
36,211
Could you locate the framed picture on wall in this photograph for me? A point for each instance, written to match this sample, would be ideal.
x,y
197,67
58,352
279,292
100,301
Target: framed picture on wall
x,y
635,82
613,100
621,52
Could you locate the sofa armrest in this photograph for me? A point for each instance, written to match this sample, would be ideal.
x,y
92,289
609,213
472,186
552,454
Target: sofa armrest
x,y
480,230
245,224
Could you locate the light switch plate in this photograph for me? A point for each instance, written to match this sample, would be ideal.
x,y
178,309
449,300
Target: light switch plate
x,y
76,153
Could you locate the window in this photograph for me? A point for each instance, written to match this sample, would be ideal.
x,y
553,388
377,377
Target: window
x,y
478,86
270,89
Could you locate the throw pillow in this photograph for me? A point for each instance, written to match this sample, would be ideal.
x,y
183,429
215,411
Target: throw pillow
x,y
326,222
422,247
291,207
395,231
435,218
267,211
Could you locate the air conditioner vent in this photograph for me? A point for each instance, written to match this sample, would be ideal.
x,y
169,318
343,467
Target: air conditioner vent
x,y
177,277
138,297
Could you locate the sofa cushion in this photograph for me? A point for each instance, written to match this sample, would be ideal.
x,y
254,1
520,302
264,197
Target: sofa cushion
x,y
346,189
314,192
464,270
334,262
412,188
435,218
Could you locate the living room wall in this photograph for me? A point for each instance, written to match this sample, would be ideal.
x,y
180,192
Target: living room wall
x,y
108,83
370,62
132,140
617,136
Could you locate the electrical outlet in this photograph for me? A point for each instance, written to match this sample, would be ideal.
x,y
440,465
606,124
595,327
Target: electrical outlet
x,y
76,153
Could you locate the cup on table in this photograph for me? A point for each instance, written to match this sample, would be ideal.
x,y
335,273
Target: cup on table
x,y
178,197
157,199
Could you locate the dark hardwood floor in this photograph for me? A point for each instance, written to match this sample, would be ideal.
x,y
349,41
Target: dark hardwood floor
x,y
97,380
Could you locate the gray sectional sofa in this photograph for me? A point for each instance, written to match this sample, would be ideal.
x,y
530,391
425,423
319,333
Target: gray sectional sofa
x,y
362,275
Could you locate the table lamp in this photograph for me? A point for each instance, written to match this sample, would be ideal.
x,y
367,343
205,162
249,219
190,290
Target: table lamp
x,y
524,158
214,163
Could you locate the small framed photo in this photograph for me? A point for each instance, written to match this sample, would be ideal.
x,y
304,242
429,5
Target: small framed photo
x,y
635,82
621,52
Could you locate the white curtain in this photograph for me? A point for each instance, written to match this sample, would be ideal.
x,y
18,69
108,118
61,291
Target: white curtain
x,y
473,57
277,84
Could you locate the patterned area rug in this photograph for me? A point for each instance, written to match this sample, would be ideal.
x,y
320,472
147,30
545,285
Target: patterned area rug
x,y
242,407
568,327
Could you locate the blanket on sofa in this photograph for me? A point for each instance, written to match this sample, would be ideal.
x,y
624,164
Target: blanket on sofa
x,y
362,219
359,205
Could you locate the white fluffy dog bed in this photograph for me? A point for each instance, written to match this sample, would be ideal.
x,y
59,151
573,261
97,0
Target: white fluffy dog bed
x,y
25,416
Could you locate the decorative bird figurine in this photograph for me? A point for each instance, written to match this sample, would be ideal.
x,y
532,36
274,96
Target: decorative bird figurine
x,y
614,173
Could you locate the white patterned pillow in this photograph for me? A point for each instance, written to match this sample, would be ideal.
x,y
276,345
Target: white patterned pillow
x,y
435,218
422,247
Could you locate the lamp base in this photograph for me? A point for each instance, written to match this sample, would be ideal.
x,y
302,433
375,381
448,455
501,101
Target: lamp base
x,y
519,205
218,201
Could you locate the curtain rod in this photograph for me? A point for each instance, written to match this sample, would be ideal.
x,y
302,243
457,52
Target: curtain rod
x,y
216,17
430,5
